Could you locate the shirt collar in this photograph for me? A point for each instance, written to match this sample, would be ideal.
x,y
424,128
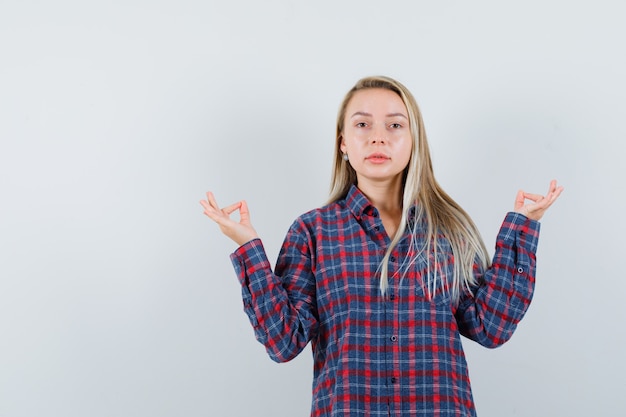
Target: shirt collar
x,y
360,206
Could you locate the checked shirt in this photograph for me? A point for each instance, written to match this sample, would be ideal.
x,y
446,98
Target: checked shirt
x,y
397,355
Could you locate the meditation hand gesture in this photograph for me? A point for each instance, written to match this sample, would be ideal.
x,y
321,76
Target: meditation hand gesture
x,y
539,205
241,232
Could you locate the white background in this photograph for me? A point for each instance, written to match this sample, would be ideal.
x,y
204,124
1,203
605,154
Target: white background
x,y
117,297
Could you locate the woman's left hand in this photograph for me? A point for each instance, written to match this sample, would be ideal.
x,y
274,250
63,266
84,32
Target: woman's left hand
x,y
539,204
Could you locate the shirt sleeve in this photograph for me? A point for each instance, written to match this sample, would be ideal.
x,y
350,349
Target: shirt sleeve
x,y
281,308
497,305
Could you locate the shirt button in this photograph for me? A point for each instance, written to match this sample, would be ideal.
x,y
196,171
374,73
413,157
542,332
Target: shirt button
x,y
394,338
392,297
520,270
377,228
394,380
392,258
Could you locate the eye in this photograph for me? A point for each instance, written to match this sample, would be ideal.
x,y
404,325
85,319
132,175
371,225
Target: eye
x,y
361,124
395,125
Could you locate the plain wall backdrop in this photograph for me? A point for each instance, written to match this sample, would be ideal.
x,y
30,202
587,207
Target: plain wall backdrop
x,y
117,297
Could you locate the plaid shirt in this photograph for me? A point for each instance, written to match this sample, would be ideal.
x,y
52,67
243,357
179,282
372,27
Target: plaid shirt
x,y
398,355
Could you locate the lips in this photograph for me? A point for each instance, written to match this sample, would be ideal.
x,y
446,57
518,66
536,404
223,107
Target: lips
x,y
377,157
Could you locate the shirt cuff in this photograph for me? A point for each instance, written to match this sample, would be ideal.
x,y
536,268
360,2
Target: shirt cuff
x,y
520,230
250,260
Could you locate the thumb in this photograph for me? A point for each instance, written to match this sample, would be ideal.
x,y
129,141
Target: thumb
x,y
519,200
244,213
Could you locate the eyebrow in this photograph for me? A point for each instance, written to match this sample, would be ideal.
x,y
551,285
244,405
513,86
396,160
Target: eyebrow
x,y
361,113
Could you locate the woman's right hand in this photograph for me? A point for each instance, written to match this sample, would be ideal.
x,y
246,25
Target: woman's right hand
x,y
241,232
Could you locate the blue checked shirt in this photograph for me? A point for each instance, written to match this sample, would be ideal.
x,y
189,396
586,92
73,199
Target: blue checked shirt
x,y
398,355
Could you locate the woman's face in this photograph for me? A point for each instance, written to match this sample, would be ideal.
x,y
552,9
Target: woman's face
x,y
376,135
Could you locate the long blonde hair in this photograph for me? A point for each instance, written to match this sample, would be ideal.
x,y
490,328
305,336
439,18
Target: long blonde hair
x,y
443,217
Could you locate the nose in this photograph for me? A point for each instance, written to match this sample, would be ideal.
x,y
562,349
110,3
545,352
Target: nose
x,y
378,136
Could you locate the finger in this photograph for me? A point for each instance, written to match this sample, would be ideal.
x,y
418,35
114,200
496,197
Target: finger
x,y
554,190
545,203
212,201
553,195
211,208
207,206
228,210
244,213
558,192
519,200
533,197
210,212
552,186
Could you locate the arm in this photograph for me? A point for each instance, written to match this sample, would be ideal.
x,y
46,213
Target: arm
x,y
282,308
491,315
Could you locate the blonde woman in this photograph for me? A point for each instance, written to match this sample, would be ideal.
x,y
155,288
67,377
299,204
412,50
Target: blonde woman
x,y
385,278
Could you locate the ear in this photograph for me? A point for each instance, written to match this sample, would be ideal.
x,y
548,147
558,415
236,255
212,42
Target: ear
x,y
342,144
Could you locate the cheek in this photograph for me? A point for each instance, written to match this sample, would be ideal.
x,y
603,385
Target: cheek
x,y
353,133
406,151
351,141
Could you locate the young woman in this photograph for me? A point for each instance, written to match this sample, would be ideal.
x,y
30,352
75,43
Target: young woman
x,y
385,278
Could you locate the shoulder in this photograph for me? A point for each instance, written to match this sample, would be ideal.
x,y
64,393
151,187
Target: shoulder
x,y
323,221
352,204
316,225
331,212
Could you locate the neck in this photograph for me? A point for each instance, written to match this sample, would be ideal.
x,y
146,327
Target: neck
x,y
384,195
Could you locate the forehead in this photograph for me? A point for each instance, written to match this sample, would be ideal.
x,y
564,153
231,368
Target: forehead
x,y
376,101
